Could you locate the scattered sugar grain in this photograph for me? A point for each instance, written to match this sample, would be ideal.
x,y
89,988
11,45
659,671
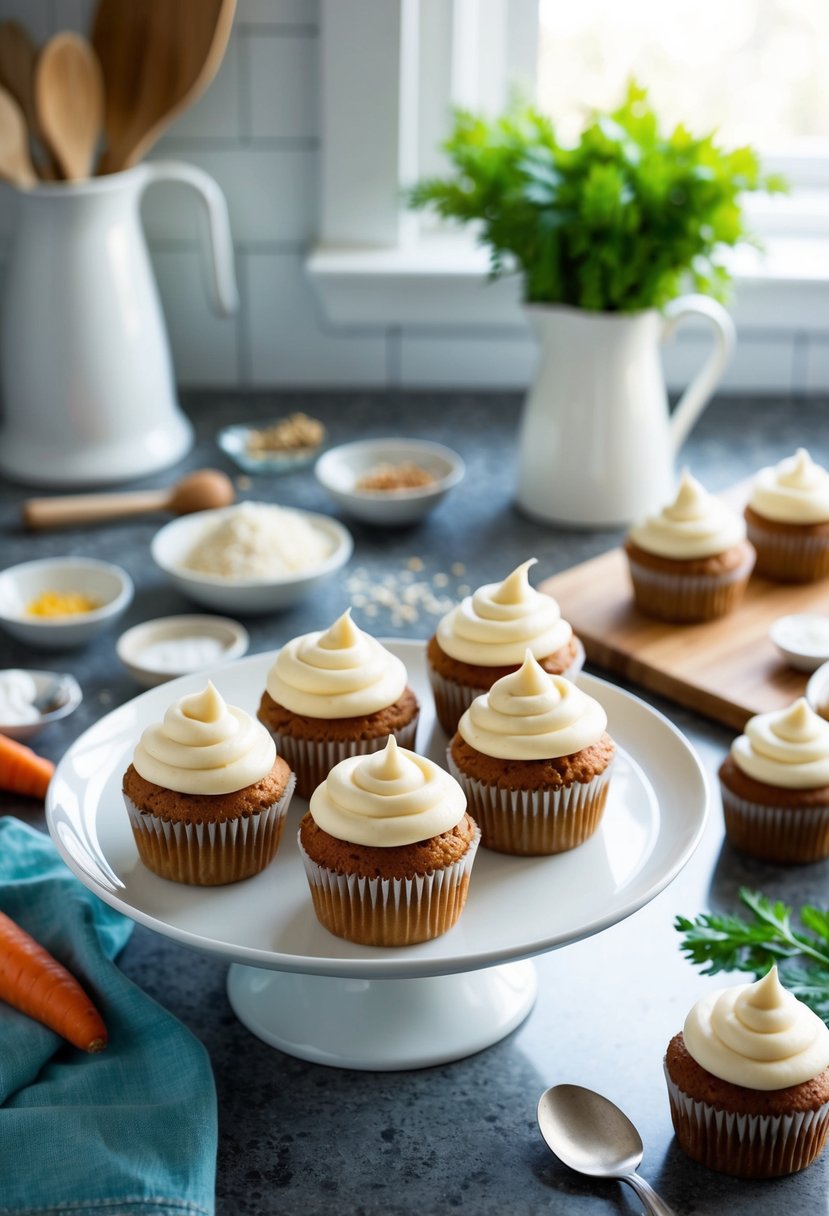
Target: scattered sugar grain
x,y
458,569
415,563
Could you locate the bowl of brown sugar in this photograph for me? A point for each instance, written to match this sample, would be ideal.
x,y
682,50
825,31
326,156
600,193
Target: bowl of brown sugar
x,y
391,482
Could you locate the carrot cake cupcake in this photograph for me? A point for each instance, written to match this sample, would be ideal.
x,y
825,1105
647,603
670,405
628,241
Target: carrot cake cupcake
x,y
775,786
534,759
787,517
691,562
388,848
486,636
748,1081
206,793
332,694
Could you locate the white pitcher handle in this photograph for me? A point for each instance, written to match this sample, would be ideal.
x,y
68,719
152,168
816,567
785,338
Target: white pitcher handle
x,y
223,281
701,389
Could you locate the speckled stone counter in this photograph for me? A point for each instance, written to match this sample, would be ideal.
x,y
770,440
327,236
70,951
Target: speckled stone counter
x,y
297,1138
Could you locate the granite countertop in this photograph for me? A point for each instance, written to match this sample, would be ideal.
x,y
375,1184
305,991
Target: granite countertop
x,y
296,1137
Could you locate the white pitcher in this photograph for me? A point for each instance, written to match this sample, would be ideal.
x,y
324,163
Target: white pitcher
x,y
87,379
597,444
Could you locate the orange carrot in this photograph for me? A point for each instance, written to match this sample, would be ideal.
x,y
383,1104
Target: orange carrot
x,y
36,984
23,771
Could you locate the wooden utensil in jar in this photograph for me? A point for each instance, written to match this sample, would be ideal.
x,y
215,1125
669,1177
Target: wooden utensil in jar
x,y
69,100
200,491
15,162
157,58
18,54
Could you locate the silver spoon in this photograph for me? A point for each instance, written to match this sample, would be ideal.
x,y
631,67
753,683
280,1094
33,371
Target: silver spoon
x,y
592,1136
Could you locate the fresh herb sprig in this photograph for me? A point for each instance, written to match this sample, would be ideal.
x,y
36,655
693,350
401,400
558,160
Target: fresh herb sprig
x,y
724,942
624,219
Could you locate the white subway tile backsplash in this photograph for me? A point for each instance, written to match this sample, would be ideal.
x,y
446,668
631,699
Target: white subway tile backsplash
x,y
290,343
256,131
278,12
270,193
763,364
496,361
204,345
284,86
217,113
816,365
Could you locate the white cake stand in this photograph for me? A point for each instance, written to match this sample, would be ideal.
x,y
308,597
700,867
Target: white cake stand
x,y
301,989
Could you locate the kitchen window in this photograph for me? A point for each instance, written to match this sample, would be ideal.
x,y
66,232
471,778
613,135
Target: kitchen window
x,y
391,69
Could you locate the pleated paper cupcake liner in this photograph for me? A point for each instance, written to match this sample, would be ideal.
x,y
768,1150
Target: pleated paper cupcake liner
x,y
789,557
390,911
676,597
778,834
312,760
452,700
747,1146
209,854
534,823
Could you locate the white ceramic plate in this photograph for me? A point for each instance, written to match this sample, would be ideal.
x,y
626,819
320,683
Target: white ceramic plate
x,y
517,906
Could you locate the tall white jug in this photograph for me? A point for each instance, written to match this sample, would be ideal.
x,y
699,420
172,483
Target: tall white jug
x,y
597,444
88,391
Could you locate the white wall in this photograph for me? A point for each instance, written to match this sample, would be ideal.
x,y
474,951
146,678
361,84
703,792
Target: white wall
x,y
256,131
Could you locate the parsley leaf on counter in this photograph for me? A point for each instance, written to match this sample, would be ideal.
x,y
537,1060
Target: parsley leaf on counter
x,y
722,942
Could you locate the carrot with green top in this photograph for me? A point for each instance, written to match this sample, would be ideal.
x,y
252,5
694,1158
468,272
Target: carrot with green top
x,y
35,983
23,771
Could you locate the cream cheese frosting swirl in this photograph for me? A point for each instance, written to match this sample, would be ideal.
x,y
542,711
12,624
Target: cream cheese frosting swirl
x,y
695,524
339,673
205,746
795,491
495,625
757,1035
387,798
787,748
531,715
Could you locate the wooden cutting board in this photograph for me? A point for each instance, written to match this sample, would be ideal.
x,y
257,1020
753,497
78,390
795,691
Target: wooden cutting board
x,y
726,669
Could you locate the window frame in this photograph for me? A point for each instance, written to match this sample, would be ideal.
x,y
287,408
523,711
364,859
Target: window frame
x,y
376,264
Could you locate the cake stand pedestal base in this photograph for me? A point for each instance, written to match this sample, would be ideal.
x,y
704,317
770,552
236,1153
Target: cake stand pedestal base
x,y
382,1025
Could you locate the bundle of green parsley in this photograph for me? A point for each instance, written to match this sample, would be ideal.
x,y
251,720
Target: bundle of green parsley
x,y
800,947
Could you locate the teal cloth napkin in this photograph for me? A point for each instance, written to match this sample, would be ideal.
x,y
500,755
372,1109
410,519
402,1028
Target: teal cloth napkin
x,y
131,1130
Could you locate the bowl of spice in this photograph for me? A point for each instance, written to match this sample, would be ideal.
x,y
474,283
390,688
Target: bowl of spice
x,y
277,447
391,482
252,557
60,602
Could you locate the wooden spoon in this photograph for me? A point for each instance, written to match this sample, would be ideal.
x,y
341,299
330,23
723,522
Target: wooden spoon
x,y
15,162
157,58
69,100
17,74
199,491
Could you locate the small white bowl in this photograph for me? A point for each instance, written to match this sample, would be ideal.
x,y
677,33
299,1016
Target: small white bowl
x,y
57,695
171,646
339,469
107,585
802,639
172,544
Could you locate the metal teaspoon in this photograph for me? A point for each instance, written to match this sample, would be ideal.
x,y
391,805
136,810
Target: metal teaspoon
x,y
592,1136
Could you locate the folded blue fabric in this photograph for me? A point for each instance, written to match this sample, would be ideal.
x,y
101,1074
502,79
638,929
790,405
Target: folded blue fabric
x,y
132,1130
